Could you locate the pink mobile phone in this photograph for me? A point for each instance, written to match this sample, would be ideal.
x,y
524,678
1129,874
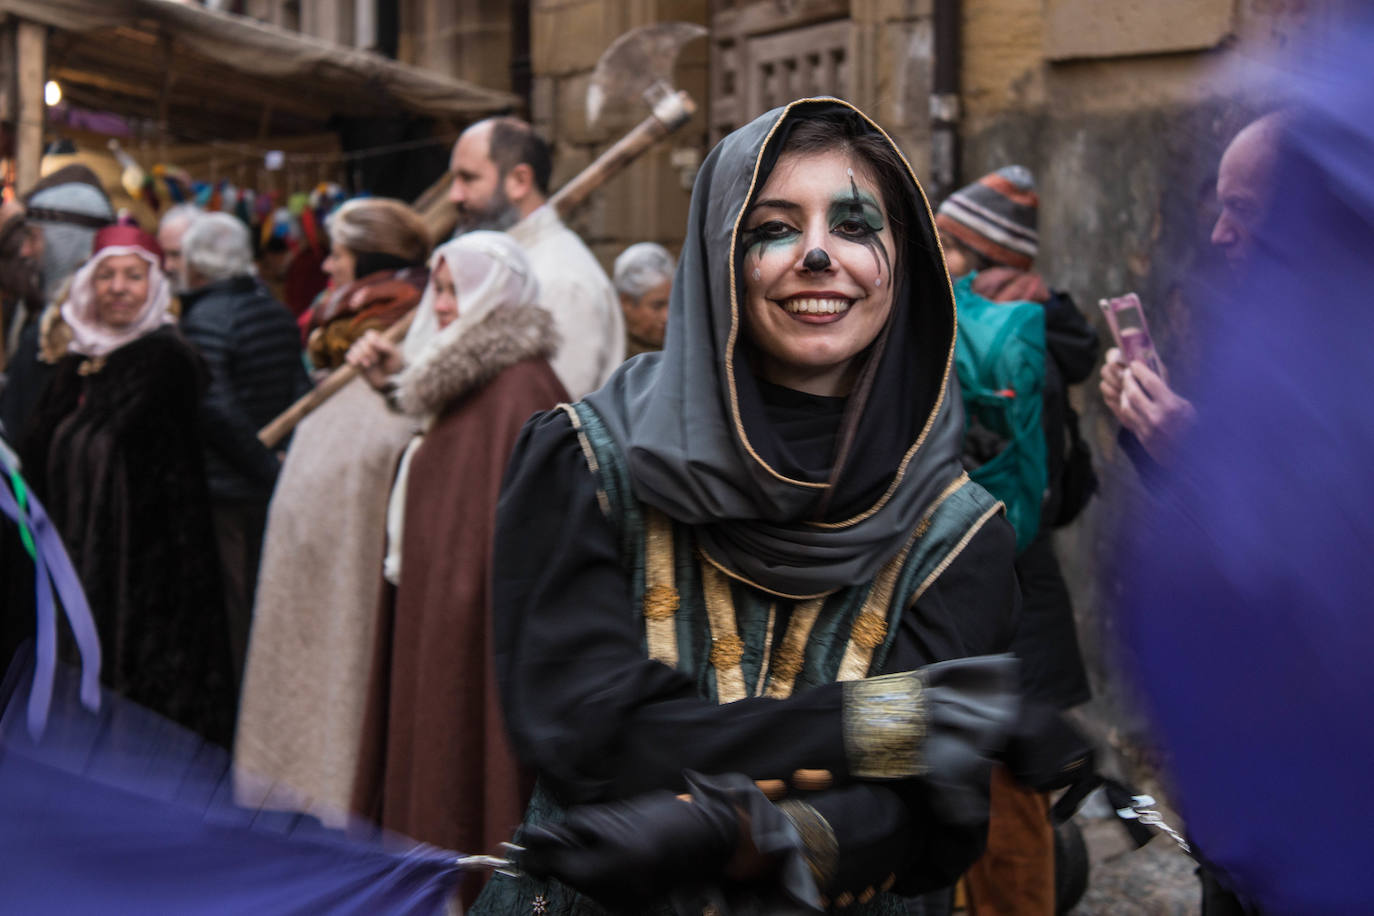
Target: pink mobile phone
x,y
1126,318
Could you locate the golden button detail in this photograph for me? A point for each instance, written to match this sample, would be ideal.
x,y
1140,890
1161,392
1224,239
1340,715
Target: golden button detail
x,y
660,602
787,663
870,630
726,651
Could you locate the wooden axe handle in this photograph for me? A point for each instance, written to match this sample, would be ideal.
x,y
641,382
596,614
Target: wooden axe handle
x,y
626,150
286,421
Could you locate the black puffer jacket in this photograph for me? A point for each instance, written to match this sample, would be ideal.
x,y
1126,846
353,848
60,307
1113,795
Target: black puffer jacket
x,y
1073,349
252,348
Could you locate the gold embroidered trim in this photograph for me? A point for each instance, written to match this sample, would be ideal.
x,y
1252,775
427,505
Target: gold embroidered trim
x,y
954,553
660,602
819,845
767,650
754,585
954,486
869,630
870,625
787,664
726,647
791,655
884,723
726,650
590,454
661,598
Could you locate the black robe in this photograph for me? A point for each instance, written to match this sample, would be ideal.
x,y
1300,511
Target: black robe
x,y
600,720
116,458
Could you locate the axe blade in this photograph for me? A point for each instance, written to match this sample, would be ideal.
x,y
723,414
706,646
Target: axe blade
x,y
640,58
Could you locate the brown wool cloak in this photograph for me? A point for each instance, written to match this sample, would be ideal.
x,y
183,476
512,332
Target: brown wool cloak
x,y
435,763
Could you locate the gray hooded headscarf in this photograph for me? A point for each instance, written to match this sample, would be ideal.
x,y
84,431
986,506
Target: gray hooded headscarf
x,y
690,419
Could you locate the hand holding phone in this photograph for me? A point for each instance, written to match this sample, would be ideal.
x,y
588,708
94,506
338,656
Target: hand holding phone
x,y
1126,318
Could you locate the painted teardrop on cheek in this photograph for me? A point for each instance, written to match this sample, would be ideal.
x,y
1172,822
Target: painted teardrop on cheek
x,y
758,275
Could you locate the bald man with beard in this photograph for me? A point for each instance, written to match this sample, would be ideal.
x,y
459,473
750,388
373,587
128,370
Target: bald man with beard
x,y
1141,399
500,172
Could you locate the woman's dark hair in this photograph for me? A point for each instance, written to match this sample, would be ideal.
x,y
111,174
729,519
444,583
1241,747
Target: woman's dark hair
x,y
843,130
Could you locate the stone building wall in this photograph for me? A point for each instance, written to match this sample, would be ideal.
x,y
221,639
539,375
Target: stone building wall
x,y
468,40
648,201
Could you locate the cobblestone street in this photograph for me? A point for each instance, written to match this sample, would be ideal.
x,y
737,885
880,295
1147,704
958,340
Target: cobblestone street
x,y
1156,880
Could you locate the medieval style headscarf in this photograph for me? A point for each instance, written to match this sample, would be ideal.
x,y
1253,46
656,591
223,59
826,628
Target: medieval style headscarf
x,y
91,336
489,270
691,420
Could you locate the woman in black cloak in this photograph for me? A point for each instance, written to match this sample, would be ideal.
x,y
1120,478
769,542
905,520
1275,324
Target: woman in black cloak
x,y
113,450
754,556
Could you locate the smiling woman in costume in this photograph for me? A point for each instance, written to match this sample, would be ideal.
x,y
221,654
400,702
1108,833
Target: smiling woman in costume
x,y
113,451
743,558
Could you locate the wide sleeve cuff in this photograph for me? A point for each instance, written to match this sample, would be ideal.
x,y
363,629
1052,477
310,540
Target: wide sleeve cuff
x,y
943,721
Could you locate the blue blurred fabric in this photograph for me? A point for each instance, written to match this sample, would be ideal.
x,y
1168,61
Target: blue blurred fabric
x,y
1248,623
122,811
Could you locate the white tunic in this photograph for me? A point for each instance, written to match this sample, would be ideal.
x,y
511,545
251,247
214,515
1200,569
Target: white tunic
x,y
574,288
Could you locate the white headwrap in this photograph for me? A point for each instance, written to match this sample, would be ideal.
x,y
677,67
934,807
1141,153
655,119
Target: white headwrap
x,y
489,270
91,336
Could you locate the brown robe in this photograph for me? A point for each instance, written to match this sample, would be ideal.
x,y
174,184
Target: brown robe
x,y
436,764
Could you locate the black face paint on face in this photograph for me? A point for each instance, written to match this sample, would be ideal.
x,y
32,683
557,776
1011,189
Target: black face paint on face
x,y
816,260
858,219
768,235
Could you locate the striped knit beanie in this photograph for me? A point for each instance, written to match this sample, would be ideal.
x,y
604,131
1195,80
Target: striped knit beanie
x,y
996,216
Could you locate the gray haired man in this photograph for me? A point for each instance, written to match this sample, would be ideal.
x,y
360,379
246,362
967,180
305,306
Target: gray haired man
x,y
253,351
643,280
171,229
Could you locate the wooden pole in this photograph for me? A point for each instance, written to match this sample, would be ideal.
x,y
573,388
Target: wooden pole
x,y
8,71
31,51
626,150
286,421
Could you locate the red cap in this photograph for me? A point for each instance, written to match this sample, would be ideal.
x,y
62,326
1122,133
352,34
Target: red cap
x,y
126,236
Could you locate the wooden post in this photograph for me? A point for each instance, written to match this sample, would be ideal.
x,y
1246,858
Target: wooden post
x,y
31,51
30,109
164,95
8,70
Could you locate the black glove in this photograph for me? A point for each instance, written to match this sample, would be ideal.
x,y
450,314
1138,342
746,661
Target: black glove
x,y
624,854
1046,750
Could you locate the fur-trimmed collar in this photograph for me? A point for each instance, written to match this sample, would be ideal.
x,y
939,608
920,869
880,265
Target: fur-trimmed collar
x,y
465,356
53,334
